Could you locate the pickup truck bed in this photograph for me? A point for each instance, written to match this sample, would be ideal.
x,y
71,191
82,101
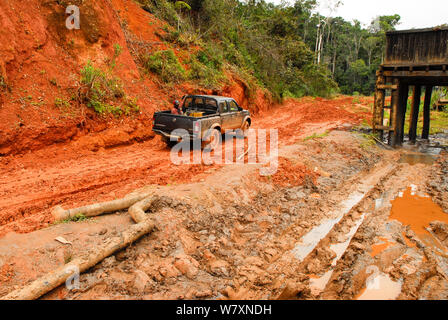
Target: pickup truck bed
x,y
165,123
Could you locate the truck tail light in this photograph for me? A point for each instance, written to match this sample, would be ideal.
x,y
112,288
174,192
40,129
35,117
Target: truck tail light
x,y
196,127
153,120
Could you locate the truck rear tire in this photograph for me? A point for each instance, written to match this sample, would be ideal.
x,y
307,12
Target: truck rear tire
x,y
212,140
168,142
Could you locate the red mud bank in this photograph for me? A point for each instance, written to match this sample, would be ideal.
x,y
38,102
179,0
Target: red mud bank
x,y
40,61
290,174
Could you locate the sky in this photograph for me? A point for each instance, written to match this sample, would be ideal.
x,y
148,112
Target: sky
x,y
414,13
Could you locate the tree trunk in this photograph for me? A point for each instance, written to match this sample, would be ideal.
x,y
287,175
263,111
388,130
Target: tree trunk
x,y
56,278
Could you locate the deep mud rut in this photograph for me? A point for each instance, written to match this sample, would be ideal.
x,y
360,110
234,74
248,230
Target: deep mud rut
x,y
331,224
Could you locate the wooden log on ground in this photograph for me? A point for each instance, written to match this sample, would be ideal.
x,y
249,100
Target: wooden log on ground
x,y
97,209
52,280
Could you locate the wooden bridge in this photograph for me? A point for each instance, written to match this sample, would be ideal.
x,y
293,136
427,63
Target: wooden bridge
x,y
417,60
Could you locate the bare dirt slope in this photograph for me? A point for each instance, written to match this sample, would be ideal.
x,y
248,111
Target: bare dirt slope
x,y
41,61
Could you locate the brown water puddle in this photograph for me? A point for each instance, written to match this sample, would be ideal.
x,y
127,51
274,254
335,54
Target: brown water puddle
x,y
417,158
414,211
377,248
418,212
381,287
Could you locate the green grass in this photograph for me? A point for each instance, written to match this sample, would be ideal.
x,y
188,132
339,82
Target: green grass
x,y
100,89
105,93
117,51
165,64
61,103
175,37
439,122
37,103
367,141
315,136
77,218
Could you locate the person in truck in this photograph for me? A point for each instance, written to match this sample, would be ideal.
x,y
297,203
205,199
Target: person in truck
x,y
176,108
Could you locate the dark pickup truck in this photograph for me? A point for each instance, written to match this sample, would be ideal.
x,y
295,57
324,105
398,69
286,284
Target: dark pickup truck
x,y
205,118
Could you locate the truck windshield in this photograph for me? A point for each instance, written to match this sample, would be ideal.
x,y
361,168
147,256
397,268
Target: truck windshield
x,y
200,103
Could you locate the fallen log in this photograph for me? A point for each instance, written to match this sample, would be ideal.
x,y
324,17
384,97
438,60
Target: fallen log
x,y
59,214
52,280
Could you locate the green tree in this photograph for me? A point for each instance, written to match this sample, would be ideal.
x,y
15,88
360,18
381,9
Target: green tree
x,y
289,49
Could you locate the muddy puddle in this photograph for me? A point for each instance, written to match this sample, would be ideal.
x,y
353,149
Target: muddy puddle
x,y
418,212
420,153
381,246
380,287
417,158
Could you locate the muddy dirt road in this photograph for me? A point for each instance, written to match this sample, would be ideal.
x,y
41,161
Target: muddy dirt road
x,y
341,219
72,175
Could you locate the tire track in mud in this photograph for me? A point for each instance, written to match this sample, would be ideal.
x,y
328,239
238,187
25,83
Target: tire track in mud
x,y
321,249
250,234
370,255
107,176
31,184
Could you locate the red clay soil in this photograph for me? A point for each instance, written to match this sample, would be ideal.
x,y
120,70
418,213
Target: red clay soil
x,y
41,60
71,175
291,116
71,156
51,155
33,183
290,174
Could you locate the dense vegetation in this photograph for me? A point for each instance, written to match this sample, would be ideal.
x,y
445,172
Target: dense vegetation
x,y
289,49
102,91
